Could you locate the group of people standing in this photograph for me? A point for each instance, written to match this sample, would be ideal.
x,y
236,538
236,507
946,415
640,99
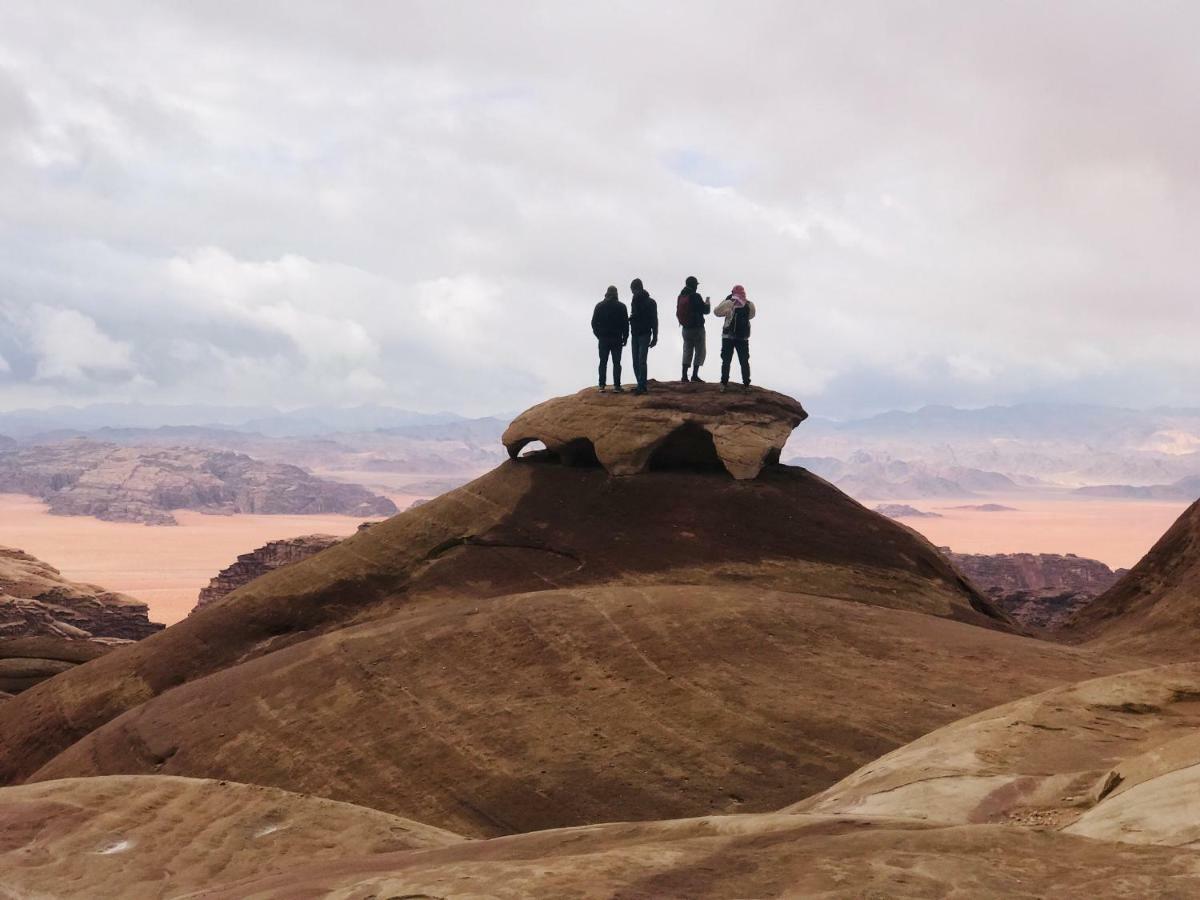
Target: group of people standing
x,y
614,326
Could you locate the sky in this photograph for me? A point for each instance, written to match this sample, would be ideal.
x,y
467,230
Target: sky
x,y
419,203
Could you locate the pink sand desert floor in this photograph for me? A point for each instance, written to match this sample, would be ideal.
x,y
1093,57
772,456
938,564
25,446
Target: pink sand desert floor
x,y
165,566
1116,532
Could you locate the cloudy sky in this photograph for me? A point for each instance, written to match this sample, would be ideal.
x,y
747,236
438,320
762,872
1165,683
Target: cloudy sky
x,y
419,203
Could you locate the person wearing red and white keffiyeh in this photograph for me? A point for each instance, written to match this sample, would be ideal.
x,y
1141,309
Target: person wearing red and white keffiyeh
x,y
735,335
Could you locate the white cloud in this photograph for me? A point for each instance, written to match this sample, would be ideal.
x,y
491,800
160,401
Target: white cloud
x,y
421,202
70,346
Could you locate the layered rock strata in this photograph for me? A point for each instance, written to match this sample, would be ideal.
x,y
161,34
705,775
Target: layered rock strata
x,y
27,661
267,558
132,484
1039,590
675,425
37,601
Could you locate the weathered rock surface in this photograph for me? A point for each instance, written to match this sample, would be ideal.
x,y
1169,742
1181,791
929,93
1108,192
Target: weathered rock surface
x,y
1039,590
267,558
131,484
36,601
675,425
433,575
1115,759
135,837
27,661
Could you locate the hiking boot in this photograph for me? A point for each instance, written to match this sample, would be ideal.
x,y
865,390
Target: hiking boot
x,y
684,378
724,387
603,389
696,379
618,389
639,390
746,387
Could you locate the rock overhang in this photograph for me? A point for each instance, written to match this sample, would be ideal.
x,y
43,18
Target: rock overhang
x,y
673,425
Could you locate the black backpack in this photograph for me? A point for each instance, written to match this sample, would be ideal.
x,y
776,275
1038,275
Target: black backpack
x,y
739,328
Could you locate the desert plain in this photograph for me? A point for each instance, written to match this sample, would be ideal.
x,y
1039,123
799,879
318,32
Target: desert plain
x,y
166,567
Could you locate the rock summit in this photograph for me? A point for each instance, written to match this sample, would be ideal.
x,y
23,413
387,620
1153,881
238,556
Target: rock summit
x,y
675,425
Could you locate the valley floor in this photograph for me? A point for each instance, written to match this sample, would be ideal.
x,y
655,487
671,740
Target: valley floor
x,y
1116,532
166,566
163,566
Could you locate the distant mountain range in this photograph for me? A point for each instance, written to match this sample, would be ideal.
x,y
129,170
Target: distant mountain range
x,y
934,452
29,424
1183,489
945,452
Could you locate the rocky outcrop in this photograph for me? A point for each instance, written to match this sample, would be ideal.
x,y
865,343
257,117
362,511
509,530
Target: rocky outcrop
x,y
27,661
673,426
1042,590
36,601
904,511
267,558
131,484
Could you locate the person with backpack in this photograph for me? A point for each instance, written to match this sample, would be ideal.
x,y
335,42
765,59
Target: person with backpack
x,y
735,336
643,329
610,325
690,310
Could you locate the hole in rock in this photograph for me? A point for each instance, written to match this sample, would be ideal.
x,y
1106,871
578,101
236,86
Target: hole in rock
x,y
687,447
577,453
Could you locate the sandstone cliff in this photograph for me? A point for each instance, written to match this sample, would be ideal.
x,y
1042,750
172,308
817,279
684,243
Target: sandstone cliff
x,y
1041,590
131,484
266,558
35,600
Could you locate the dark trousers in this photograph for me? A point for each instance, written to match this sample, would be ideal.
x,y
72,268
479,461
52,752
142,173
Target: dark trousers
x,y
610,347
742,346
641,350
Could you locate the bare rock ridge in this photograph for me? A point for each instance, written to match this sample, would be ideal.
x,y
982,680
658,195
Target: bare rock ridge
x,y
1153,609
1039,590
675,425
132,484
267,558
36,601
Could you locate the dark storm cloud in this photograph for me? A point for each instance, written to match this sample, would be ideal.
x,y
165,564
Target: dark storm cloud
x,y
420,202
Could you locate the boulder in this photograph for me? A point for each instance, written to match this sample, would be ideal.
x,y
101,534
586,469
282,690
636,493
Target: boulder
x,y
675,425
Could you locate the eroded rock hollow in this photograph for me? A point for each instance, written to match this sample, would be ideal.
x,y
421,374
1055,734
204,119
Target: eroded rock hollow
x,y
675,425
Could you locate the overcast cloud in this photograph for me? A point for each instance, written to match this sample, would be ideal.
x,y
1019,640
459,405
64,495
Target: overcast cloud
x,y
419,203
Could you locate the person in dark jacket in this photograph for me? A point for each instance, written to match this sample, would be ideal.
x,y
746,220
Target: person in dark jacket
x,y
735,335
610,325
691,309
643,329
